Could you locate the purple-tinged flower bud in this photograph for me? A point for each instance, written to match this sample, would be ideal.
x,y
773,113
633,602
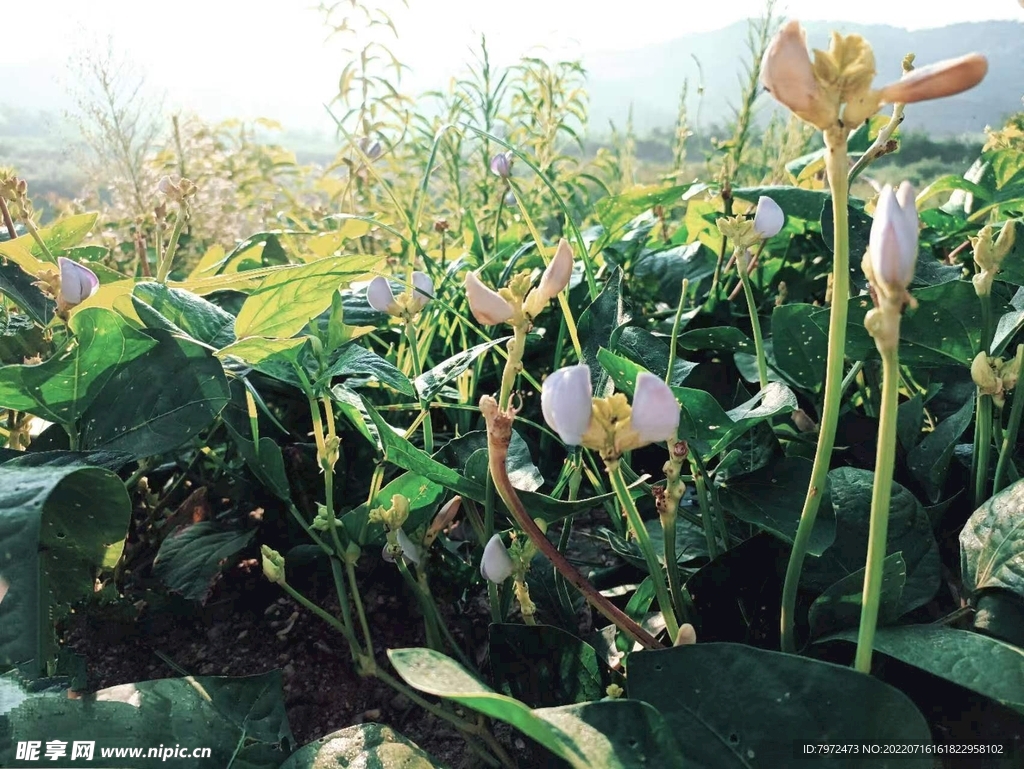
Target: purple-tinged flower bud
x,y
788,75
945,78
769,219
77,283
501,164
371,148
655,415
893,240
380,296
487,305
566,400
496,564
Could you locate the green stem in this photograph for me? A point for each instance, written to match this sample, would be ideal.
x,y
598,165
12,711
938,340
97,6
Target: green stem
x,y
417,370
350,572
836,165
987,329
881,493
755,323
675,587
513,366
646,547
676,325
983,429
329,619
1010,436
705,512
164,267
31,227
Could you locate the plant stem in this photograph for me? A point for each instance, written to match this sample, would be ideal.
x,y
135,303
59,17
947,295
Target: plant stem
x,y
513,366
1010,436
983,429
8,221
31,227
755,323
350,572
705,512
881,493
163,269
836,163
676,325
417,370
499,433
644,540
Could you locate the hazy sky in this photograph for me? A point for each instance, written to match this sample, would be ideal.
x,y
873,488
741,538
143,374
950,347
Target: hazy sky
x,y
249,57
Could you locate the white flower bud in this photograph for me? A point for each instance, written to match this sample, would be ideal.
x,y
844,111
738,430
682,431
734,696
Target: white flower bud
x,y
687,635
381,297
488,306
893,240
566,402
77,283
423,289
769,219
655,415
496,564
555,278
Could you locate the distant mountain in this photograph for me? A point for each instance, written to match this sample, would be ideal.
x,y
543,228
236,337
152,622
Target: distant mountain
x,y
651,78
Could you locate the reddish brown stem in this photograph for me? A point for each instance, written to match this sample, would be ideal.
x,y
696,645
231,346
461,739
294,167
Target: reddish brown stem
x,y
499,433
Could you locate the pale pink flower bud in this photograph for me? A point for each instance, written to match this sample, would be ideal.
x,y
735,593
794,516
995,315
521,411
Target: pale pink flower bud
x,y
893,240
380,296
501,165
687,635
555,278
423,289
77,283
769,219
488,306
788,75
945,78
566,402
167,187
496,564
656,411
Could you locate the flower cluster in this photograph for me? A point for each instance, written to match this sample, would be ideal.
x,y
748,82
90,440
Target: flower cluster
x,y
407,304
817,92
995,377
609,425
69,287
519,303
989,253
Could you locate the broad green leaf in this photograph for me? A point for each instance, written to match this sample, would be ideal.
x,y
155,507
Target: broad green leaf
x,y
800,343
725,338
616,211
286,299
661,273
429,383
737,707
613,734
910,533
57,526
190,558
353,360
62,388
795,201
691,543
522,472
929,460
652,352
183,313
16,285
544,666
19,251
424,497
66,233
274,357
772,499
157,401
992,543
840,606
242,721
363,745
597,327
979,663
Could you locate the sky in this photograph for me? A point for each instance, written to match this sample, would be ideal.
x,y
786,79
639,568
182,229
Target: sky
x,y
272,57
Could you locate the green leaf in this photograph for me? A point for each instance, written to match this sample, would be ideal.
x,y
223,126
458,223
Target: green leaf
x,y
800,343
522,472
929,460
612,735
992,543
20,338
691,543
242,721
979,663
355,360
68,232
840,606
158,401
544,666
772,499
287,298
616,211
364,745
724,338
795,201
190,558
61,388
17,286
429,383
652,353
183,313
423,494
57,526
910,533
734,706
